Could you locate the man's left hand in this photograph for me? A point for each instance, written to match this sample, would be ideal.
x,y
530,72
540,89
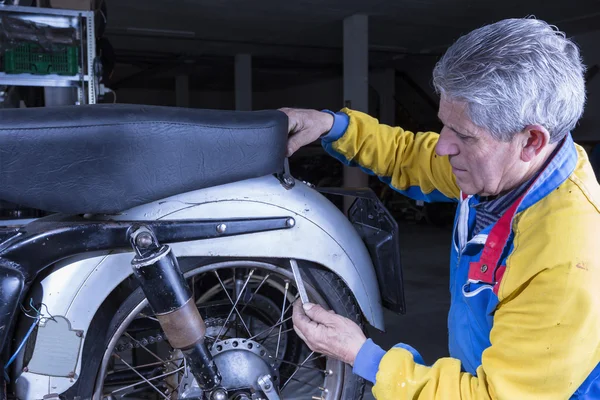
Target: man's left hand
x,y
328,333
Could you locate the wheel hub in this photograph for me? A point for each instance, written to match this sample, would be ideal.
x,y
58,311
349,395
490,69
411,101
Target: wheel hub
x,y
241,363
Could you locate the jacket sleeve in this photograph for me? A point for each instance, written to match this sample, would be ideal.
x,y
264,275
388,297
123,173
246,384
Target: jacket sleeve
x,y
404,160
545,340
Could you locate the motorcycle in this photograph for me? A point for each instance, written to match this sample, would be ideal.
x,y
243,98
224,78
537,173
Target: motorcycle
x,y
164,269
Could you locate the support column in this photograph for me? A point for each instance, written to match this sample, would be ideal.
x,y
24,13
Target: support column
x,y
384,82
182,91
243,82
356,84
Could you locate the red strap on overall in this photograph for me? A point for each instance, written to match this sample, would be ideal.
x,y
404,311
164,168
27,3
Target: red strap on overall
x,y
487,270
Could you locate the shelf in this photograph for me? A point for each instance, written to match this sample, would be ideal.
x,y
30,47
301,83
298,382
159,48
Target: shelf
x,y
57,18
45,11
41,80
83,23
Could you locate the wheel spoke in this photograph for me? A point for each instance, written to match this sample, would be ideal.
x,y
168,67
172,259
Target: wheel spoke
x,y
271,329
279,322
183,374
145,380
270,335
254,293
276,334
238,290
297,369
317,357
149,317
234,308
193,287
150,351
301,366
148,365
141,376
321,388
231,300
287,287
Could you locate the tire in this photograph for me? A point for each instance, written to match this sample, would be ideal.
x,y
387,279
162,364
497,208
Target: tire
x,y
341,300
116,308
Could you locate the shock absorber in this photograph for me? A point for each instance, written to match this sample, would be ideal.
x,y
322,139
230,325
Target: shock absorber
x,y
170,298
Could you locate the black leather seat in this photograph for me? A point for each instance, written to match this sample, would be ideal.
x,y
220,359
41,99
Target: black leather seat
x,y
108,158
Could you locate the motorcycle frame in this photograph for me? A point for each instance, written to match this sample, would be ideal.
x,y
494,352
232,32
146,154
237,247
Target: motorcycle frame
x,y
320,234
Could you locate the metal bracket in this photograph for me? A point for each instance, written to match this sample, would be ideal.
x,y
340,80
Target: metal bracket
x,y
266,385
57,237
285,177
142,240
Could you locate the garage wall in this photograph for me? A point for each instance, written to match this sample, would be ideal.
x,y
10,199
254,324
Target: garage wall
x,y
325,93
206,99
322,94
418,70
328,93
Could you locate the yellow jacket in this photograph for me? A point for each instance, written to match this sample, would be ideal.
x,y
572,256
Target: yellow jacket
x,y
529,326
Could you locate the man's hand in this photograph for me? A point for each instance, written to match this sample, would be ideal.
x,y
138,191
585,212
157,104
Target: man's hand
x,y
305,126
328,333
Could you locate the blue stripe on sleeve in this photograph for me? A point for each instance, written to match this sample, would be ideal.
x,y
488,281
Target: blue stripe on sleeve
x,y
367,361
416,356
340,124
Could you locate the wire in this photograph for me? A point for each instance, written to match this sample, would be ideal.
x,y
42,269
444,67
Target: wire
x,y
37,318
14,356
32,306
100,3
114,95
26,312
103,16
48,311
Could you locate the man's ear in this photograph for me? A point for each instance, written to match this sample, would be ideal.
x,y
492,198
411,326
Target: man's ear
x,y
536,139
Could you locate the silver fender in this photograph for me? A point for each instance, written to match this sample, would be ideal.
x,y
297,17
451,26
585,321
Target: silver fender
x,y
322,234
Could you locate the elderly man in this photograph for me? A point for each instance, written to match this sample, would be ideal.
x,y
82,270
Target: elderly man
x,y
524,320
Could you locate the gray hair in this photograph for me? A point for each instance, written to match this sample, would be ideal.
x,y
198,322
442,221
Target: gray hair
x,y
514,73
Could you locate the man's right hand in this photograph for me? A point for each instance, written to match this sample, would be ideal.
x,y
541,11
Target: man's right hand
x,y
305,126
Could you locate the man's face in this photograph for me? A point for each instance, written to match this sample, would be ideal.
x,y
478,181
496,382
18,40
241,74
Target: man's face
x,y
482,165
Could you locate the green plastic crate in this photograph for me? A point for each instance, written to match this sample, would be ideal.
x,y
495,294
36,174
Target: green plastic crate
x,y
31,58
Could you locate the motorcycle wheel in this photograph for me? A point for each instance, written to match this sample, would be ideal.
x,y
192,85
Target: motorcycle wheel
x,y
126,354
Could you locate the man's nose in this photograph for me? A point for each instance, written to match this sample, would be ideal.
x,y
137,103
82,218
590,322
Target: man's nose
x,y
446,146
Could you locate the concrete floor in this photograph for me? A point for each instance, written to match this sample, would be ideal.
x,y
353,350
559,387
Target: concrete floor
x,y
425,257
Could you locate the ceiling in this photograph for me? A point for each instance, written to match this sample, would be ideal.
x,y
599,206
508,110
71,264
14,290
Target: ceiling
x,y
296,41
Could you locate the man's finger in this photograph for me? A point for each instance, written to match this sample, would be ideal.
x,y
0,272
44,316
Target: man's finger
x,y
294,143
299,333
318,314
302,324
300,318
291,121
